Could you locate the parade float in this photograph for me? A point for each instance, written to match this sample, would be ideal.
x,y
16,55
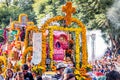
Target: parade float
x,y
20,26
45,49
12,42
52,42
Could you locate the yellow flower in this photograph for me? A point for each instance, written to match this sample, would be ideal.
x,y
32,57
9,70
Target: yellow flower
x,y
3,64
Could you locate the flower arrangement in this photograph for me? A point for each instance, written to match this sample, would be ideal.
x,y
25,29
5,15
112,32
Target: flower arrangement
x,y
88,67
18,33
18,45
29,49
29,28
53,68
82,29
71,42
5,54
69,51
37,69
3,64
81,74
16,67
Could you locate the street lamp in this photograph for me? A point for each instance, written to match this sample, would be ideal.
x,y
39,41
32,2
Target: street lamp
x,y
93,37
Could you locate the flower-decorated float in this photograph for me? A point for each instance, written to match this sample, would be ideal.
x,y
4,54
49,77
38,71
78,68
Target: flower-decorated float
x,y
60,44
20,26
74,46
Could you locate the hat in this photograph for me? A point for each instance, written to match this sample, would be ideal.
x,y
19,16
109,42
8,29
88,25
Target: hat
x,y
60,65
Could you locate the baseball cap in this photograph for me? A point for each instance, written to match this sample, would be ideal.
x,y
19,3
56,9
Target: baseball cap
x,y
60,65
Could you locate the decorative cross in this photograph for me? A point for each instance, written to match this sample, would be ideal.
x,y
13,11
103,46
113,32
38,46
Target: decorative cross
x,y
23,19
68,9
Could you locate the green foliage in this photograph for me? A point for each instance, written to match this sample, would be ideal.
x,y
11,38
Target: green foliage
x,y
91,12
44,7
13,10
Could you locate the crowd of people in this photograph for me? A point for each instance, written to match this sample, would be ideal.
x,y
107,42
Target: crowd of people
x,y
108,66
63,73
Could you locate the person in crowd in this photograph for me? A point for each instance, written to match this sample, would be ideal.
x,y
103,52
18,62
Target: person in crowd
x,y
106,70
71,77
67,72
37,75
19,76
27,74
59,75
69,61
1,77
9,75
38,78
113,75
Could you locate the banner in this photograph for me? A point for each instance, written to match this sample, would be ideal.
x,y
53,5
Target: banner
x,y
37,48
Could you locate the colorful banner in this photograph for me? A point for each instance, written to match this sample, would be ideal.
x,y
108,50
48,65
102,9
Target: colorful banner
x,y
37,48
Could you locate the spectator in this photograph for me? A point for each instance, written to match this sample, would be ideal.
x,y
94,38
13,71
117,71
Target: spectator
x,y
26,73
113,75
1,77
67,72
19,76
9,75
60,68
71,77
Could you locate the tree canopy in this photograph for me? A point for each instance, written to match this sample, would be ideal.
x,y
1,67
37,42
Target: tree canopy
x,y
13,10
95,14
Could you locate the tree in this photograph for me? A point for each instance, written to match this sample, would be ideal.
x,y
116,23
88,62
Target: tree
x,y
26,7
14,9
93,13
44,7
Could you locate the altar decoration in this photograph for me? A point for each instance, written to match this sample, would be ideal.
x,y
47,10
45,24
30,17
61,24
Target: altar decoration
x,y
79,31
60,39
37,69
28,29
37,50
24,55
20,24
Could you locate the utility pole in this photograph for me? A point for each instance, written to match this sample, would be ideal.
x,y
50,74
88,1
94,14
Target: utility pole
x,y
93,37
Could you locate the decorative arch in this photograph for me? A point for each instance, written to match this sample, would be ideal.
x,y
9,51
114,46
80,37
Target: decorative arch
x,y
28,48
31,28
58,18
